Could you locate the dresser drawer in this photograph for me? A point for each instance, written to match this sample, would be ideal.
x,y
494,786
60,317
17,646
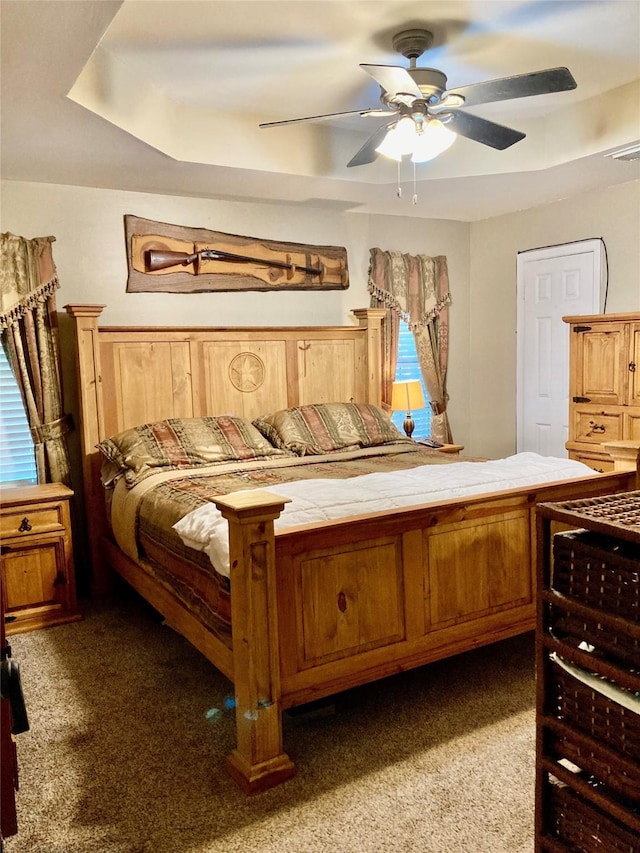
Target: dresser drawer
x,y
31,521
595,425
600,462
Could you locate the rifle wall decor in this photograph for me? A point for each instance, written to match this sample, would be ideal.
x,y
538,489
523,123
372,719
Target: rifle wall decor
x,y
178,259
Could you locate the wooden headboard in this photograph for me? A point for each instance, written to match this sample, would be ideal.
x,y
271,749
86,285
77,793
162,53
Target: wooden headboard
x,y
133,375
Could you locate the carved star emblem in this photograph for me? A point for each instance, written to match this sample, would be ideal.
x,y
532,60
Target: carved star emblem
x,y
246,372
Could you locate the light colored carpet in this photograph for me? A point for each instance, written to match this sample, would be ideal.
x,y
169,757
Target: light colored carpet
x,y
125,754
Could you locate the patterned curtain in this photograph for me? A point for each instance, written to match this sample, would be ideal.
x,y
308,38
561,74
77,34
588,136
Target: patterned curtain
x,y
416,289
28,323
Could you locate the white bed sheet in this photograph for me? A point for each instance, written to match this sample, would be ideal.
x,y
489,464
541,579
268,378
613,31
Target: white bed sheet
x,y
318,500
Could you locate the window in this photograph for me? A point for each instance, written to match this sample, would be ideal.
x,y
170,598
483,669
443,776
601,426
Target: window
x,y
17,459
407,367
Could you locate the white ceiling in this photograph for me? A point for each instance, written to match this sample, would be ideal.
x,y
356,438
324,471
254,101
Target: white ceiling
x,y
166,96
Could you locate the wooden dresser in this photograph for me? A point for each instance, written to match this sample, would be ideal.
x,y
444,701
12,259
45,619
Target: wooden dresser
x,y
604,396
37,556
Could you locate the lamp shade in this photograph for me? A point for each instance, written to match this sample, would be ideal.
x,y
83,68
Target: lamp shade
x,y
433,139
407,396
399,139
388,148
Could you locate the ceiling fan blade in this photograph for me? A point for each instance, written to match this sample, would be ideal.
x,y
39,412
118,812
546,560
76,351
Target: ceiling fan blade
x,y
363,113
482,130
394,79
368,153
519,86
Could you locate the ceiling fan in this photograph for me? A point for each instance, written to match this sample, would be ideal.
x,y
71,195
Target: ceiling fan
x,y
421,95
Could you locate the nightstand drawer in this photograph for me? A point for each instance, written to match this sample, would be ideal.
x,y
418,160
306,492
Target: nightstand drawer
x,y
35,520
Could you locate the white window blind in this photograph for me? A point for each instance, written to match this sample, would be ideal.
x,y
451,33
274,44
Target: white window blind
x,y
17,459
407,367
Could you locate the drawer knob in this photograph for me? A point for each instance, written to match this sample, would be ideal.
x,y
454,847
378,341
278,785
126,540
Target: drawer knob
x,y
24,525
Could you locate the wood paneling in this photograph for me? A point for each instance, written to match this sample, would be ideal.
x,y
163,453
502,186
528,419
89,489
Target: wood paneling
x,y
245,378
479,568
350,601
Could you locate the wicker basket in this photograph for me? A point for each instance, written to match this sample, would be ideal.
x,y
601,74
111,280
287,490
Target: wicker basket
x,y
598,571
599,771
602,719
583,827
604,574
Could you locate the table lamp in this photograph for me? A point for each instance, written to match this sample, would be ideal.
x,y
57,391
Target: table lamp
x,y
405,396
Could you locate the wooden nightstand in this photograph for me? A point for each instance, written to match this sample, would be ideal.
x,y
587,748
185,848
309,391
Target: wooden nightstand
x,y
442,448
37,557
451,448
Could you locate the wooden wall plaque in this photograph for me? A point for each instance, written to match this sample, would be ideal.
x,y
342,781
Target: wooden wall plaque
x,y
263,264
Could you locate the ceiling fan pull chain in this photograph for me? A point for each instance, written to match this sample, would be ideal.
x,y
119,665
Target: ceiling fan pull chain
x,y
399,192
415,191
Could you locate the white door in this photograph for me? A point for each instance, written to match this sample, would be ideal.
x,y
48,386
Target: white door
x,y
552,283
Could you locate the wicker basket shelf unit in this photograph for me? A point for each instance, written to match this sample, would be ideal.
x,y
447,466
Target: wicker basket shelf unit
x,y
588,676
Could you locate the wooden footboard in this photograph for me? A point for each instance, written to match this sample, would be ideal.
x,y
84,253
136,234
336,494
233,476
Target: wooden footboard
x,y
324,608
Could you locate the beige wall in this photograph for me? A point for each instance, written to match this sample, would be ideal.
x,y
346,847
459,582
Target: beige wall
x,y
613,215
90,251
91,259
90,255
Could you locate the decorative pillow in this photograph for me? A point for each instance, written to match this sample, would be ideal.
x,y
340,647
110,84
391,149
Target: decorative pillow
x,y
184,443
325,427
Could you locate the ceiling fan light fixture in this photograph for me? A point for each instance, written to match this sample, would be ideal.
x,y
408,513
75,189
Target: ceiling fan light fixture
x,y
405,133
388,147
432,140
399,140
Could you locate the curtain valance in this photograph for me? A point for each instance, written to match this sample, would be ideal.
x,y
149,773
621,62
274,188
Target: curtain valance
x,y
27,275
414,286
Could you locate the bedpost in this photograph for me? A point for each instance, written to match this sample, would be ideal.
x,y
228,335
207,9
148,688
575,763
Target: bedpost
x,y
258,761
91,431
625,454
371,319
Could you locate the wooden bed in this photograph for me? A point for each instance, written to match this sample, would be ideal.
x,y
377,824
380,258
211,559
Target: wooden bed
x,y
440,578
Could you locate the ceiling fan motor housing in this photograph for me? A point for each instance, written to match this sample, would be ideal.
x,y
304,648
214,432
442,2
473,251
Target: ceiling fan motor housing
x,y
412,44
431,82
